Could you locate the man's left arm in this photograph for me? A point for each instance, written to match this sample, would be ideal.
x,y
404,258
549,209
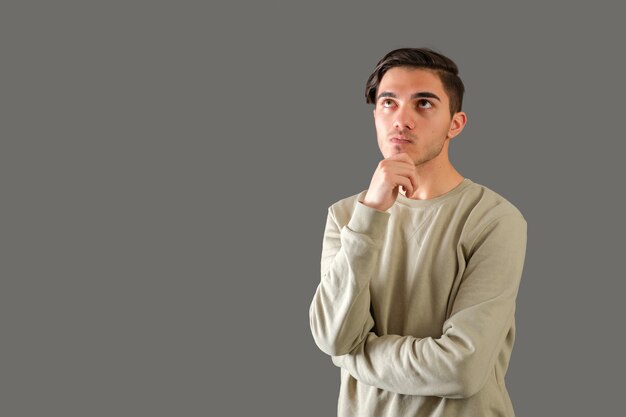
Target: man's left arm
x,y
458,363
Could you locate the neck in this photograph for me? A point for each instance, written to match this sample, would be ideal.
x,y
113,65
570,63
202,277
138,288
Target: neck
x,y
435,177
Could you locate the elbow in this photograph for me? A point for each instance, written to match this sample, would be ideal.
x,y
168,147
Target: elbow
x,y
331,338
328,342
466,389
338,331
469,380
332,349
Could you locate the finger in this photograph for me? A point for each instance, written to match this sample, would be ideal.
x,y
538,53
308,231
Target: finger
x,y
413,178
400,166
405,183
402,156
404,165
406,170
408,175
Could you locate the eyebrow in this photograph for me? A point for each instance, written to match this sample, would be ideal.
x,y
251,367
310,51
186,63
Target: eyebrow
x,y
421,94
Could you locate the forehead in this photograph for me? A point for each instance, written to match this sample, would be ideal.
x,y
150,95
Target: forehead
x,y
406,81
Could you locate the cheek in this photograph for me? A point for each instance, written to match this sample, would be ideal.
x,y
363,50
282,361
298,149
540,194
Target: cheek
x,y
439,128
381,122
378,126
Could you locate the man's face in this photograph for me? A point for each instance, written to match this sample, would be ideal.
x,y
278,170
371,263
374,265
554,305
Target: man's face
x,y
412,115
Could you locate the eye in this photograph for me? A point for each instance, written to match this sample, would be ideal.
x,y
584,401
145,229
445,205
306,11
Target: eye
x,y
387,103
424,104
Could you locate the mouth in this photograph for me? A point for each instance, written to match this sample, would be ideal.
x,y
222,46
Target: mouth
x,y
400,140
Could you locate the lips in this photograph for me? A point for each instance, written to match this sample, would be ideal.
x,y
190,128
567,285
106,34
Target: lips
x,y
400,140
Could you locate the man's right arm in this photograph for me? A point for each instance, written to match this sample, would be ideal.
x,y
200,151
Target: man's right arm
x,y
340,316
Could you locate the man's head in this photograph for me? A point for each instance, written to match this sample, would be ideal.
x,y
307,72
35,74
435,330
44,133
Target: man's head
x,y
422,58
417,98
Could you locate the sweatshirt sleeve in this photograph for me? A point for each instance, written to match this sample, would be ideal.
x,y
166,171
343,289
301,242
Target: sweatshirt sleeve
x,y
457,364
340,311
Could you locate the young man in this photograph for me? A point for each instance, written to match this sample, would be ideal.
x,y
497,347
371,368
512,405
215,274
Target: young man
x,y
420,272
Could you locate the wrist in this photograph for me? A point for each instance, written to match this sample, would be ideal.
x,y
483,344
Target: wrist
x,y
369,221
374,205
377,208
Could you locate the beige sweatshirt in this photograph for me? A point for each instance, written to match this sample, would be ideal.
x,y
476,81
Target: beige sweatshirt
x,y
416,305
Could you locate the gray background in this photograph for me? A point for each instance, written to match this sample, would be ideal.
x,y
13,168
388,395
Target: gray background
x,y
166,170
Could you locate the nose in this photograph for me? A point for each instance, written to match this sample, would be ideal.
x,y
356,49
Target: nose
x,y
403,119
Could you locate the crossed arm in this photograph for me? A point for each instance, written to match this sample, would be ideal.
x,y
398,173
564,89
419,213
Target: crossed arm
x,y
339,314
454,365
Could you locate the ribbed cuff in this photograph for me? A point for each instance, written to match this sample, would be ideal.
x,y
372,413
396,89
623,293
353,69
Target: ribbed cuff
x,y
369,221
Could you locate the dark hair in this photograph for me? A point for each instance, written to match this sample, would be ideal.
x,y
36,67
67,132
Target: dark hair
x,y
424,58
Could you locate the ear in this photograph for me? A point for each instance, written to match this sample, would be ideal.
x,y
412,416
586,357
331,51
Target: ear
x,y
457,124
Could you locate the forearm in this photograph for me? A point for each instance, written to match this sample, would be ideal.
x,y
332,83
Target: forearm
x,y
457,363
340,311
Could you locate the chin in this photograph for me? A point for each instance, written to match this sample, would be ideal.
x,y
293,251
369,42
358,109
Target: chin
x,y
396,149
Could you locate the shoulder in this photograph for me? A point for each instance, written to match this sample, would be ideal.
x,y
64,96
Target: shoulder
x,y
487,202
487,210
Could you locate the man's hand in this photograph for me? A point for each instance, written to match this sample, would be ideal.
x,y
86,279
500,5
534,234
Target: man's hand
x,y
391,173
